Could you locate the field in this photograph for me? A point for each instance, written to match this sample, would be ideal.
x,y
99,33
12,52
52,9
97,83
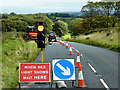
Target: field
x,y
68,19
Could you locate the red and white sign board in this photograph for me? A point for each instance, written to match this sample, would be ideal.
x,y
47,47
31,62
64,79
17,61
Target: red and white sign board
x,y
34,72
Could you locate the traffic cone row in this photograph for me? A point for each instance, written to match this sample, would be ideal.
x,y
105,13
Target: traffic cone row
x,y
62,42
78,64
70,49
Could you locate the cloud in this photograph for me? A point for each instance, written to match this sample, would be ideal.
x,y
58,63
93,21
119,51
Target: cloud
x,y
40,2
27,6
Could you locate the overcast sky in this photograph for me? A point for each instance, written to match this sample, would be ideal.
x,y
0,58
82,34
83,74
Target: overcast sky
x,y
41,6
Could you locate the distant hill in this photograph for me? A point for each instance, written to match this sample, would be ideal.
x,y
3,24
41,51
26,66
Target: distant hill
x,y
77,13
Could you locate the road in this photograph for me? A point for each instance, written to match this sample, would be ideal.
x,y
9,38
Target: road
x,y
99,66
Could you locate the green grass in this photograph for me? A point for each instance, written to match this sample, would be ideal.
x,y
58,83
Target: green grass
x,y
67,36
115,48
105,39
78,18
0,62
14,51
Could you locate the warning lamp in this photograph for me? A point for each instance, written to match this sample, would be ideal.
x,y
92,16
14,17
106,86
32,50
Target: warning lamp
x,y
40,28
40,36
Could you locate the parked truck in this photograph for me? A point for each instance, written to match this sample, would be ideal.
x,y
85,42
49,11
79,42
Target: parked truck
x,y
31,33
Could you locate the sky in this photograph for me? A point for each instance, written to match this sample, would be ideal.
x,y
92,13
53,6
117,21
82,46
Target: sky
x,y
41,6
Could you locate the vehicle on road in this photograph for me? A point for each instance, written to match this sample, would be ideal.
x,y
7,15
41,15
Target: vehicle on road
x,y
31,34
52,37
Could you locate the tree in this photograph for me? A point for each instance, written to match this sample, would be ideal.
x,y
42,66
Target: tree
x,y
90,10
97,8
78,27
93,9
12,14
116,7
83,26
5,16
10,25
60,28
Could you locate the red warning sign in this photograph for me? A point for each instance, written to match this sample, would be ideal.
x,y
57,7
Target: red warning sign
x,y
34,72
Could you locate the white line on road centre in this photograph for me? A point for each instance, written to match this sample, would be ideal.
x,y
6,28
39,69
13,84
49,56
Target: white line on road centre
x,y
105,85
92,68
75,49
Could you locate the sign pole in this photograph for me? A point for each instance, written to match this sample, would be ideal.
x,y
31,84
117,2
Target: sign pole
x,y
41,55
19,85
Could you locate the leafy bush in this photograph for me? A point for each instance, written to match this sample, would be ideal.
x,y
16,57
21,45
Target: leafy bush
x,y
13,22
85,26
9,35
13,25
60,28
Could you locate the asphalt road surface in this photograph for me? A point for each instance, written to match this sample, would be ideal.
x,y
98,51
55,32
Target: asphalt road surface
x,y
99,66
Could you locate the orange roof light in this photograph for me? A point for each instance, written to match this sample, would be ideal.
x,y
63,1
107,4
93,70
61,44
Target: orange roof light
x,y
40,28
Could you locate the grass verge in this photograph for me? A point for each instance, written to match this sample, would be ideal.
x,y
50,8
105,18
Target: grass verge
x,y
105,38
115,48
15,50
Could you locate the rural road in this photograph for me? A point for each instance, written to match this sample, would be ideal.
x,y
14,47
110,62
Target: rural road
x,y
99,66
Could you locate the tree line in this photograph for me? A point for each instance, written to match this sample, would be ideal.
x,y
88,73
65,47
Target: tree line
x,y
96,15
101,8
19,22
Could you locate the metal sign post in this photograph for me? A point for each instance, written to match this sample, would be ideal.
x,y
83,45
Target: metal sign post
x,y
41,55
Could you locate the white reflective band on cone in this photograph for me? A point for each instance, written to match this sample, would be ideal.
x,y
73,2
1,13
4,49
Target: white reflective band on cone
x,y
78,58
61,84
80,75
66,44
70,49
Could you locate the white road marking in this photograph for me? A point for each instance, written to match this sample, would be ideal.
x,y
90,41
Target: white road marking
x,y
82,56
75,49
105,85
98,75
92,68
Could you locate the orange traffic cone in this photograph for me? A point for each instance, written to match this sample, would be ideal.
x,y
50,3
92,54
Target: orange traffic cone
x,y
78,60
80,77
70,50
66,44
57,40
63,43
60,41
